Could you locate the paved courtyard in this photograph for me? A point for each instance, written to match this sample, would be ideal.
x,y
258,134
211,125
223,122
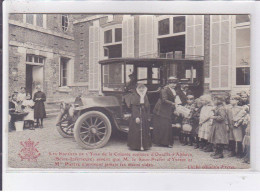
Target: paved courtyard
x,y
58,152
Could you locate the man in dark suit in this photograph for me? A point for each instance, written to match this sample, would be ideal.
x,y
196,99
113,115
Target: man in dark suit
x,y
163,112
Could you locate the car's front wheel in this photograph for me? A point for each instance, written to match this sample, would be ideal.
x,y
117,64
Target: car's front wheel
x,y
65,125
92,130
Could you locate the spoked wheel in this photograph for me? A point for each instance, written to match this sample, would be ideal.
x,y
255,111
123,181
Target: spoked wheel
x,y
65,125
92,130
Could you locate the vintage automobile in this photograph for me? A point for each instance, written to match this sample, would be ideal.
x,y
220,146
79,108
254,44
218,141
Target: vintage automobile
x,y
91,119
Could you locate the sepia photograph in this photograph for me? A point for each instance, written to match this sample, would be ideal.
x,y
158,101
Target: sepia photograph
x,y
128,91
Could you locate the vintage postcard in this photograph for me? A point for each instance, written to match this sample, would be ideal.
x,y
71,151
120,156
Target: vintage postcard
x,y
128,91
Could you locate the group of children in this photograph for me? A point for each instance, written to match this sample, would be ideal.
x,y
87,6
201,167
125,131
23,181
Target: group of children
x,y
216,123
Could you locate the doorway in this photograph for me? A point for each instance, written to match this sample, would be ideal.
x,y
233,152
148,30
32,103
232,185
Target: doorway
x,y
34,77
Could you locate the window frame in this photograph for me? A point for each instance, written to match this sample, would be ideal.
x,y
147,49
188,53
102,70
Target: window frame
x,y
171,33
64,28
44,20
70,72
107,89
105,33
235,27
113,27
33,62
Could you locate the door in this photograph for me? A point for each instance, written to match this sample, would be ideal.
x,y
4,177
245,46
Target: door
x,y
29,79
37,77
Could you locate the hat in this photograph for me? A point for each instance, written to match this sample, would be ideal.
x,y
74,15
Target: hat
x,y
172,79
184,81
235,97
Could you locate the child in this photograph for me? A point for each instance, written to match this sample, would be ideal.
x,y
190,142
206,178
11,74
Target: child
x,y
187,123
205,122
238,113
195,121
219,131
28,107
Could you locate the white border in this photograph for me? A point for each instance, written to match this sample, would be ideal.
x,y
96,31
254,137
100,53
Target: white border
x,y
176,180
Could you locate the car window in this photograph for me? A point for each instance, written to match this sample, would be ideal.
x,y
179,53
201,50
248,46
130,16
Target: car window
x,y
142,73
113,77
155,75
128,71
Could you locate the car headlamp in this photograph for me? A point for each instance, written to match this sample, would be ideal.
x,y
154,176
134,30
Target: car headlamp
x,y
72,110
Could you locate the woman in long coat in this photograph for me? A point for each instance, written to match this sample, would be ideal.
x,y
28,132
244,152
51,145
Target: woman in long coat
x,y
163,113
39,108
139,137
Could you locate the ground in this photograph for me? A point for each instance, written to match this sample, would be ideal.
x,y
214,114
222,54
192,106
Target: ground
x,y
58,152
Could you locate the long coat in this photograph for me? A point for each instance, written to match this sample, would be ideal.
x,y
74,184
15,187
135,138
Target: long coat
x,y
219,133
139,134
164,106
162,120
39,108
237,117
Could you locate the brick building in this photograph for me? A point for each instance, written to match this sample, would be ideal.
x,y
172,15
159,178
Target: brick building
x,y
62,51
43,50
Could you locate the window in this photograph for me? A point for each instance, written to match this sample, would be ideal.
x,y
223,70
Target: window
x,y
142,75
106,52
164,27
128,71
63,72
113,77
242,19
108,36
29,18
35,59
35,19
39,20
118,34
243,56
64,22
155,75
179,24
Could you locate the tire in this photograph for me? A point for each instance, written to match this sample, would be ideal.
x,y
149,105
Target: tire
x,y
92,130
62,127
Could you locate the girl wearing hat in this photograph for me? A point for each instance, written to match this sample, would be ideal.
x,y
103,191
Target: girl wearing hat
x,y
39,108
163,114
139,137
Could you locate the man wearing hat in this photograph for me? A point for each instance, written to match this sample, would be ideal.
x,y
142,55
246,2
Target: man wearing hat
x,y
163,112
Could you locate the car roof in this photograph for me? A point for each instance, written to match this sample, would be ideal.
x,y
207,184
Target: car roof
x,y
151,61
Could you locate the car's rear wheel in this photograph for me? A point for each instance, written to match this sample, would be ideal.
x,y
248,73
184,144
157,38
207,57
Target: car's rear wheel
x,y
65,125
92,130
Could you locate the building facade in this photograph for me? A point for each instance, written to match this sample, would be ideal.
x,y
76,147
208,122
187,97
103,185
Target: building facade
x,y
62,52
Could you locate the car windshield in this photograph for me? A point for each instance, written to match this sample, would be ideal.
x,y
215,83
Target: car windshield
x,y
113,77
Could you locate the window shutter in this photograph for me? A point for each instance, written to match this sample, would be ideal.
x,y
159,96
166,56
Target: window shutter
x,y
220,52
195,35
146,35
128,36
94,69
